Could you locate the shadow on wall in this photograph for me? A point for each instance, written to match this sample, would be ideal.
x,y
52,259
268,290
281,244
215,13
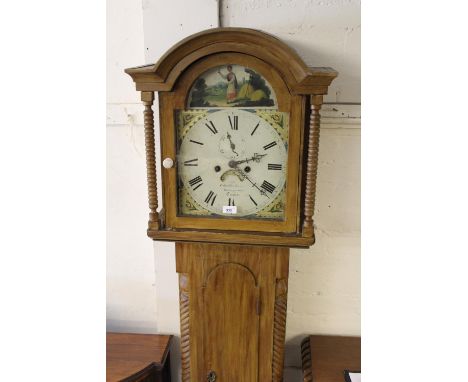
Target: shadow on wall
x,y
127,326
293,359
292,351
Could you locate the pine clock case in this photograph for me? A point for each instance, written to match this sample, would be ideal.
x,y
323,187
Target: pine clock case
x,y
233,296
299,91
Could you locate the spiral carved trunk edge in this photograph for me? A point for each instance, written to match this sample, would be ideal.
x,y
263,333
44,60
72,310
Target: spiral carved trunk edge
x,y
279,329
184,302
312,163
147,98
306,360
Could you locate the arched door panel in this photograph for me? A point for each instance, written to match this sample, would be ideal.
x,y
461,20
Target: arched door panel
x,y
231,327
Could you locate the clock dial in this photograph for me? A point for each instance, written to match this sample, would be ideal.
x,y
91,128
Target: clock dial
x,y
233,158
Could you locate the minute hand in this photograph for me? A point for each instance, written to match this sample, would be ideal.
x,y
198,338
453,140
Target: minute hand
x,y
262,192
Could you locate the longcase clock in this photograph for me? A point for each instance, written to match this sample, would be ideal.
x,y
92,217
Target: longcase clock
x,y
239,126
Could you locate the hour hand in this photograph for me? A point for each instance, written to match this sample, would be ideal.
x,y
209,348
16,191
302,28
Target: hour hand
x,y
255,158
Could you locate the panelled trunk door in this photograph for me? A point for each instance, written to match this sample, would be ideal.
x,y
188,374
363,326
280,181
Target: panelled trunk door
x,y
231,327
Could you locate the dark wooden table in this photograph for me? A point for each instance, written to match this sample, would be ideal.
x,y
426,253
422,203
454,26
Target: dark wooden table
x,y
324,358
137,357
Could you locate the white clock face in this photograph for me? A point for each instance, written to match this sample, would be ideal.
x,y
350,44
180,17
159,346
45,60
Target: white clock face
x,y
232,158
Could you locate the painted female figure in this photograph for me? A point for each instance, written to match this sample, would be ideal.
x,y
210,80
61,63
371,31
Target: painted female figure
x,y
230,77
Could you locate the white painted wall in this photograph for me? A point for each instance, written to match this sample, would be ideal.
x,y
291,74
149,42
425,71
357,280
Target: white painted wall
x,y
324,293
323,32
131,302
324,281
142,285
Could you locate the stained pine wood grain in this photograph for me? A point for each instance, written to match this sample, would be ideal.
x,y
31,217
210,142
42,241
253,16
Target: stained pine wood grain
x,y
162,75
231,305
176,100
173,75
214,236
214,296
130,357
324,358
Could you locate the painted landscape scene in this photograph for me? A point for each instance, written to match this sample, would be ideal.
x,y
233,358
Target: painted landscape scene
x,y
231,86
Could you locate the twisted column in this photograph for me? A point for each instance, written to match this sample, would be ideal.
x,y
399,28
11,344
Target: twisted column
x,y
306,360
279,329
148,98
312,162
184,303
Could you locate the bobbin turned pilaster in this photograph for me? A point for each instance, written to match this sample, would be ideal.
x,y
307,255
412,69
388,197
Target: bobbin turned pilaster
x,y
148,98
312,162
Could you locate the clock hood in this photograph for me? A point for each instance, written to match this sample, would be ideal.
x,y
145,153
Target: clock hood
x,y
299,78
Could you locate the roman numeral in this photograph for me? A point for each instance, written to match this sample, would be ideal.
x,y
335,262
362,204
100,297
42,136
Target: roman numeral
x,y
196,181
198,143
193,162
255,129
253,200
212,127
231,201
274,166
211,196
234,123
268,187
269,145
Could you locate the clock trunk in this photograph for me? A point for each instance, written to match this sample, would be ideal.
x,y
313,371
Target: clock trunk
x,y
233,311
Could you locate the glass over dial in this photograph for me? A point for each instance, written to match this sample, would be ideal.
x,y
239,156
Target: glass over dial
x,y
232,158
